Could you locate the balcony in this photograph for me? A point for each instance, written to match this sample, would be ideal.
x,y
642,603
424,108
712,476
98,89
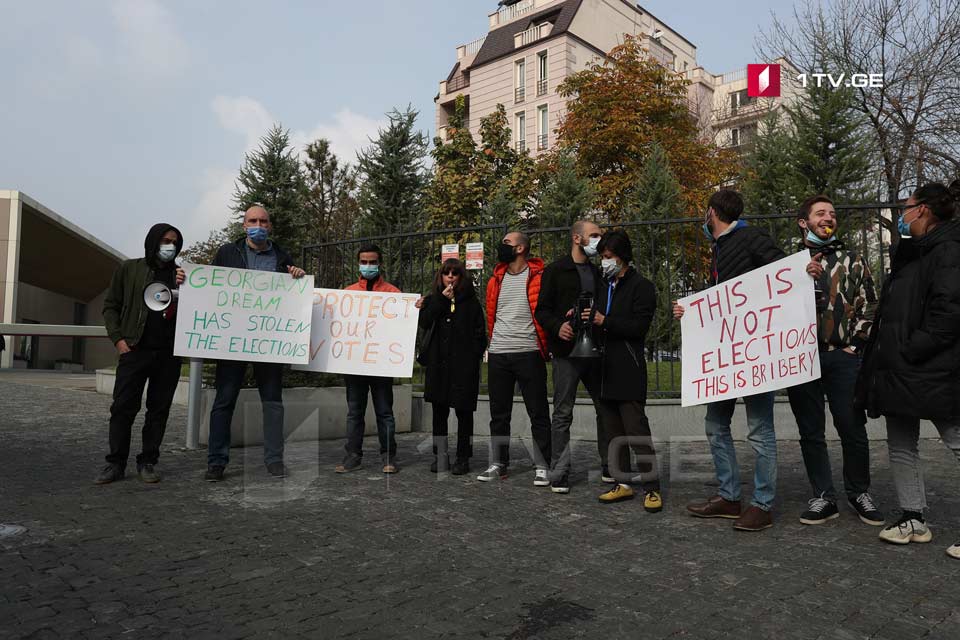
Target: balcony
x,y
459,81
521,146
531,35
506,14
542,87
519,94
542,142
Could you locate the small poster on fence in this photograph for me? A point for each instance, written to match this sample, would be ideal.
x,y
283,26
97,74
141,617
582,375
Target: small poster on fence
x,y
751,334
475,256
450,251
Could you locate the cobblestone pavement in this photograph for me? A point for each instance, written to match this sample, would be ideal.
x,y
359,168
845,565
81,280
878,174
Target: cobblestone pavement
x,y
422,556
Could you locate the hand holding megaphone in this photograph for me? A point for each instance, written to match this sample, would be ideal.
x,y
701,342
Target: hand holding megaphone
x,y
158,296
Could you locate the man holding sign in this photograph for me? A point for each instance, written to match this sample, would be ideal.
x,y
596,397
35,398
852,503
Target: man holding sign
x,y
256,252
736,250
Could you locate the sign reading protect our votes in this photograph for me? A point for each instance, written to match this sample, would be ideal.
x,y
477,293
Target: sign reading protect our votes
x,y
751,334
371,333
240,314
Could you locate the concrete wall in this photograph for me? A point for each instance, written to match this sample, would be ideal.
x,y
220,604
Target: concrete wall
x,y
9,220
38,305
98,352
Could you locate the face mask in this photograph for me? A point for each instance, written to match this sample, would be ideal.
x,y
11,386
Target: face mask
x,y
167,252
816,240
904,227
706,228
591,248
369,271
609,267
257,234
505,253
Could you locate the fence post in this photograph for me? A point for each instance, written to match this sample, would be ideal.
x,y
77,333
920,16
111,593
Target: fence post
x,y
194,389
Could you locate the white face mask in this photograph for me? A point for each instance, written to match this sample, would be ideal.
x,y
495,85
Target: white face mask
x,y
167,252
591,247
609,267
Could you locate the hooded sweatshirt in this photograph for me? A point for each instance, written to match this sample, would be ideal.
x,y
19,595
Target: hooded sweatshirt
x,y
159,331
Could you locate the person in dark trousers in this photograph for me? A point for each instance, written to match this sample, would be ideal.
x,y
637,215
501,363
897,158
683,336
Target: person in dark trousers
x,y
738,248
911,365
453,318
258,252
144,340
370,259
517,354
625,307
846,303
562,283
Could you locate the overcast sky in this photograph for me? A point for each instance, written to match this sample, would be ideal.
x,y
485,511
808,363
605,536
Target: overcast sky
x,y
121,113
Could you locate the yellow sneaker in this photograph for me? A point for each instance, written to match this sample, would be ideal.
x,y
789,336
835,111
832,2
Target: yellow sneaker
x,y
652,502
618,493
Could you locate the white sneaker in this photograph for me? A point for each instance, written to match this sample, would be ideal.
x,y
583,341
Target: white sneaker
x,y
954,551
905,531
541,478
493,472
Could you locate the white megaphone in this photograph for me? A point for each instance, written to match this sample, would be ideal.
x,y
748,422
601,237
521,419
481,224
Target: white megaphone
x,y
158,296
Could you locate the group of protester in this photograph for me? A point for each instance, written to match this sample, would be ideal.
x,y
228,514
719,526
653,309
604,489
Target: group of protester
x,y
896,356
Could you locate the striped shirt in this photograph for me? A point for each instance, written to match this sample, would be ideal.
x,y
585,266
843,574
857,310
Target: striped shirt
x,y
513,330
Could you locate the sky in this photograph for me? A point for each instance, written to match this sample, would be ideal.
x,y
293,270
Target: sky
x,y
118,114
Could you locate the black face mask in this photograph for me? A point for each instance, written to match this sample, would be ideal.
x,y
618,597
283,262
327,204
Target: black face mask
x,y
505,253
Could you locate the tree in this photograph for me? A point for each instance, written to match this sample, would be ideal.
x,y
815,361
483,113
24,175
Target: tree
x,y
392,176
454,195
271,177
563,195
330,204
618,109
772,182
204,251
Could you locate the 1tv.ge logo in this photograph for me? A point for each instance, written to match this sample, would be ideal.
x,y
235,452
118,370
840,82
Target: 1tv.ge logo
x,y
763,80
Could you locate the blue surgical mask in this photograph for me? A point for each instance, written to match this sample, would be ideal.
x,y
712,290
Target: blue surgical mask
x,y
816,240
257,234
591,248
904,227
167,252
369,271
706,228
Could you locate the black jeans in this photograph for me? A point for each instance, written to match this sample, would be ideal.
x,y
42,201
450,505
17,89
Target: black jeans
x,y
138,367
382,391
628,428
529,370
441,414
839,371
229,380
567,375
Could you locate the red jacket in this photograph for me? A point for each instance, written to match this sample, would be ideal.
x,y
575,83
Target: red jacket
x,y
533,294
378,285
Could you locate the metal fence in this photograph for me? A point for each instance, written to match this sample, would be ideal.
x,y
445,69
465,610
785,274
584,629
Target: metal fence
x,y
672,253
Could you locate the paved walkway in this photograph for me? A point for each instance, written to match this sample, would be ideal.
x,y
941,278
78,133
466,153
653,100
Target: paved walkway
x,y
417,556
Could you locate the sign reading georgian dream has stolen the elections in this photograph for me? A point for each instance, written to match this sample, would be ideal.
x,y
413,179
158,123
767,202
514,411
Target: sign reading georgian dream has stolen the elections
x,y
239,314
751,334
369,333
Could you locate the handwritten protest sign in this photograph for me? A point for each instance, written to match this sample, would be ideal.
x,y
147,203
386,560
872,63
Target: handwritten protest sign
x,y
239,314
369,333
751,334
474,256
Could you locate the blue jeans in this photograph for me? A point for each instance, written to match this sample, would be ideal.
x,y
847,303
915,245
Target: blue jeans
x,y
382,391
228,383
762,438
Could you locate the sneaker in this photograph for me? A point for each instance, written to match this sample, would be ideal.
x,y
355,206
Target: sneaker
x,y
350,463
617,494
754,519
148,474
541,478
605,476
561,485
905,531
652,502
390,467
493,472
954,551
460,467
214,473
110,473
867,509
277,470
819,511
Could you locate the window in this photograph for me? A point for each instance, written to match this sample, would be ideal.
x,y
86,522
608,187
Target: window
x,y
543,127
520,80
520,132
542,73
740,99
735,137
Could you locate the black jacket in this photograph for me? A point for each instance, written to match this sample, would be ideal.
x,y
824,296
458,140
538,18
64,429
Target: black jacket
x,y
456,347
234,255
741,250
911,366
559,289
622,335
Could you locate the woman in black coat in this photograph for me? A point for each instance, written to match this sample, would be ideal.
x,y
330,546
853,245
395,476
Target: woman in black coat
x,y
453,319
624,309
911,367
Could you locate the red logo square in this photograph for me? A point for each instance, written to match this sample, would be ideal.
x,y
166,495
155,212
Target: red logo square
x,y
763,80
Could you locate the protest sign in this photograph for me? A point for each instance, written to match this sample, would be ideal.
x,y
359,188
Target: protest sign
x,y
369,333
474,256
750,334
448,251
240,314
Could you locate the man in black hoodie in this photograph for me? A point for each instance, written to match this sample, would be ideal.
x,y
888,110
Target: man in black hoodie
x,y
144,340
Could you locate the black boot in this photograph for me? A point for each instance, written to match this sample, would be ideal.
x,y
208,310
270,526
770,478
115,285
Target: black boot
x,y
460,467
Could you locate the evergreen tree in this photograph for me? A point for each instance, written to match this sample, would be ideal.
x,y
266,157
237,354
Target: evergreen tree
x,y
656,193
330,204
563,196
